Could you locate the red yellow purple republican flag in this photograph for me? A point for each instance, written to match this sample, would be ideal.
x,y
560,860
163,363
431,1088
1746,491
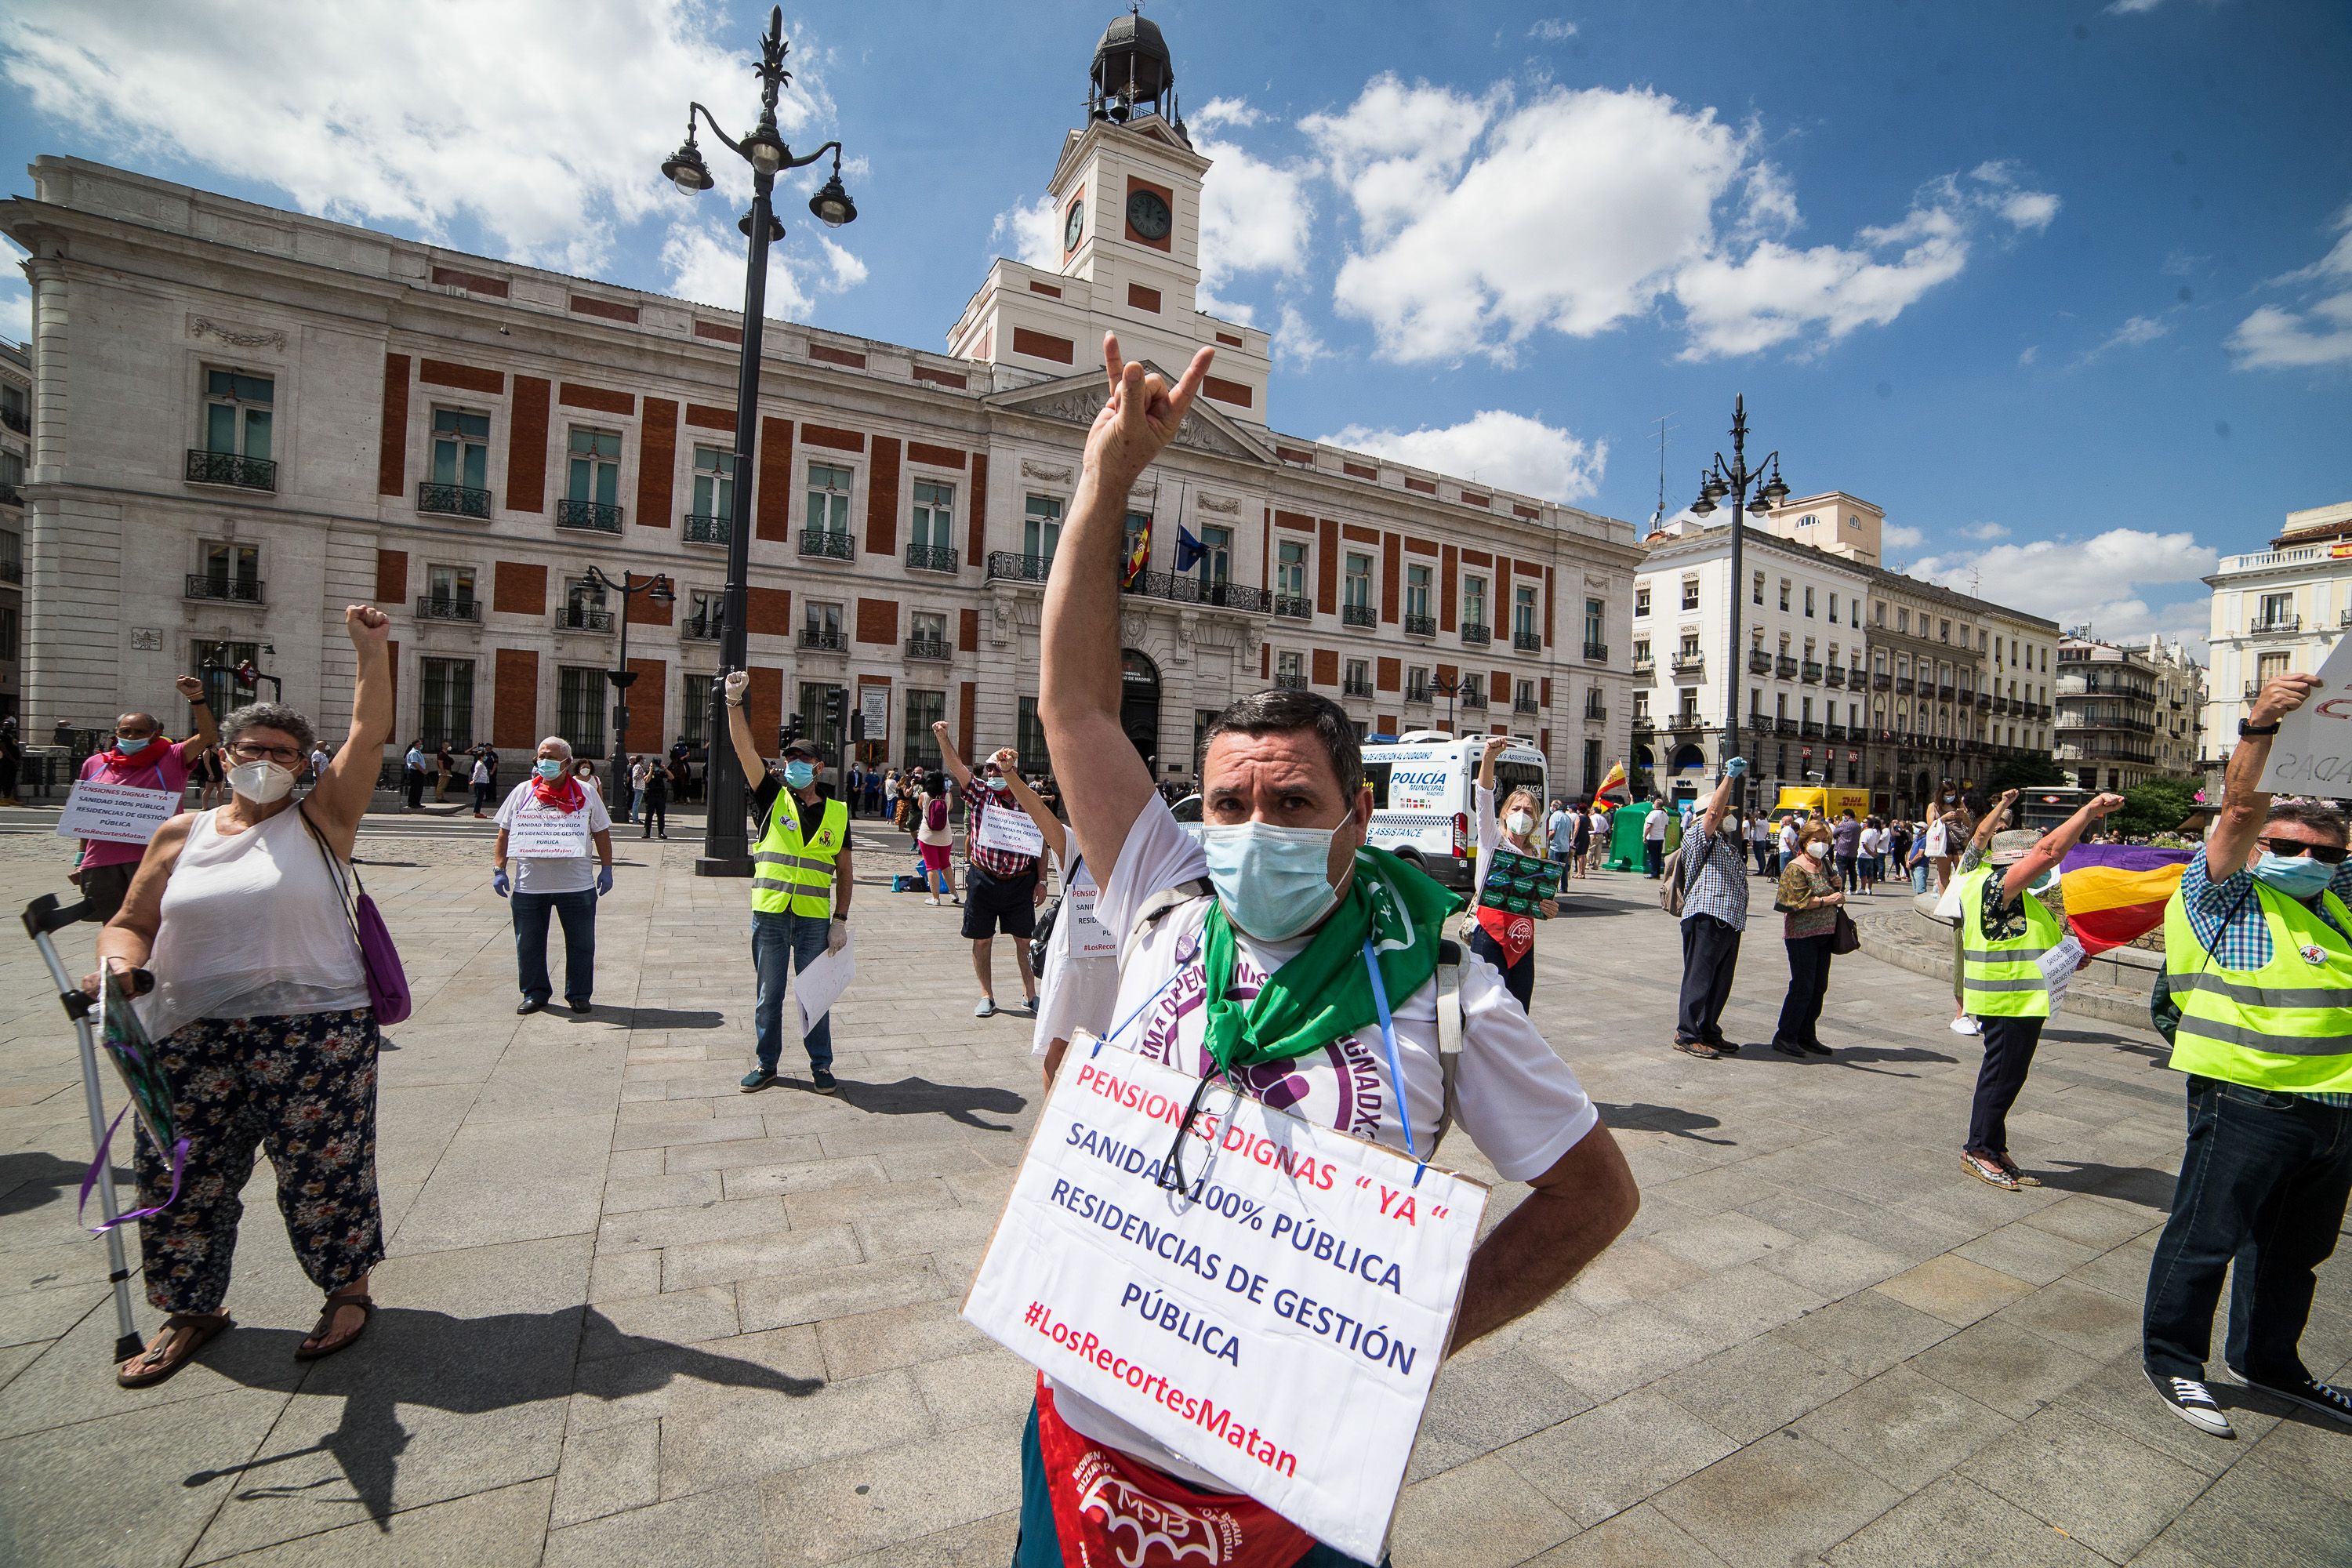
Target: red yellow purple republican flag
x,y
2114,892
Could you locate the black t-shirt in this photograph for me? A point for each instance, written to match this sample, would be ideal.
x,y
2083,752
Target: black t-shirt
x,y
764,799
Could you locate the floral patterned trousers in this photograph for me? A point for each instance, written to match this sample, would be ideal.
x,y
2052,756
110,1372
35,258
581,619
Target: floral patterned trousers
x,y
301,1086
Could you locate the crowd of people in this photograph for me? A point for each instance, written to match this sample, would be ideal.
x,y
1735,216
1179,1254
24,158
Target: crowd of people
x,y
1269,943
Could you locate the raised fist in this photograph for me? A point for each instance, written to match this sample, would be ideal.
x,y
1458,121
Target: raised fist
x,y
739,681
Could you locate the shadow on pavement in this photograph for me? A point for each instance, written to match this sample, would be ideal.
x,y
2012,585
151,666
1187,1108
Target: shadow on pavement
x,y
2139,1185
29,1180
920,1097
1663,1118
468,1366
653,1017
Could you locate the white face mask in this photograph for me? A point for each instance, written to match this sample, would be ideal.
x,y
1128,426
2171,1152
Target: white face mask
x,y
1521,823
262,782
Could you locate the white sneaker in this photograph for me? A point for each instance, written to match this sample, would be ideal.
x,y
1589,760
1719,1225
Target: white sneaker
x,y
934,901
2193,1403
1966,1025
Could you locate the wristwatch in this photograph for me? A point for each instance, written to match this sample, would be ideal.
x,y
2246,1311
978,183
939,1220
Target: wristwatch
x,y
2245,728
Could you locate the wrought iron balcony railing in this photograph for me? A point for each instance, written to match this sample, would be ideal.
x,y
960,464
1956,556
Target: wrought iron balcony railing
x,y
1835,675
929,648
825,640
1355,686
701,628
1784,666
1598,652
2263,624
593,516
827,544
1524,705
1758,662
581,618
1689,662
1293,606
231,468
931,558
1358,616
707,528
1810,672
1289,681
1420,626
431,609
1183,588
237,590
1474,634
1010,565
1527,642
453,500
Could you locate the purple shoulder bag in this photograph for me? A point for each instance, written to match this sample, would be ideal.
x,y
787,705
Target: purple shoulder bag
x,y
387,982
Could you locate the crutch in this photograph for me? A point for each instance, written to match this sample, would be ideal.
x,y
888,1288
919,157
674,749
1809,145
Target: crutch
x,y
43,916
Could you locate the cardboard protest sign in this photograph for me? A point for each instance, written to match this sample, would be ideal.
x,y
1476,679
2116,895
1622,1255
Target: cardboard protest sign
x,y
1279,1329
1518,884
548,836
1007,827
1089,937
2312,753
118,814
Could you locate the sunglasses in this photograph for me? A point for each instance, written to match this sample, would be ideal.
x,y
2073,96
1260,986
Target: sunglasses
x,y
2288,849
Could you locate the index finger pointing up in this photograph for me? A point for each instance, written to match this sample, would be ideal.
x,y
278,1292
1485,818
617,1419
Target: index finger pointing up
x,y
1112,361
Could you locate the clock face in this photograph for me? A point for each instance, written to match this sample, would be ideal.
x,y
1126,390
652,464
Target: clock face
x,y
1148,215
1075,226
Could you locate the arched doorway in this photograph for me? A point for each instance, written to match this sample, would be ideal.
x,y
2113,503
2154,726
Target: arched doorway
x,y
1689,770
1138,703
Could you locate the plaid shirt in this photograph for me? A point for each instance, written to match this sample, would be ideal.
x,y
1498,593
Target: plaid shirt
x,y
2228,918
1719,886
977,798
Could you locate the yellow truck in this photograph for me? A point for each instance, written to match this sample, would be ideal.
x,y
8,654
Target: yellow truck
x,y
1828,804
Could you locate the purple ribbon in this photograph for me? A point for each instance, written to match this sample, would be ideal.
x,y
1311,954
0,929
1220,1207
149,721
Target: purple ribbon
x,y
90,1178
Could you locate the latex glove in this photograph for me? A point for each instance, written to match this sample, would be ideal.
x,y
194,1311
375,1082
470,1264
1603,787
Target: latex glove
x,y
1736,768
836,936
605,879
498,883
738,682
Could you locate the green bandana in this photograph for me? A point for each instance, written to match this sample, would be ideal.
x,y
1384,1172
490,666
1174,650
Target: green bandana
x,y
1324,992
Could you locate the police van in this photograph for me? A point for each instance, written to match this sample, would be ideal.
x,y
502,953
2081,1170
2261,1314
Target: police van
x,y
1423,787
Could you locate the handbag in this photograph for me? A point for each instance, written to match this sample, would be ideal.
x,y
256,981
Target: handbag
x,y
1845,937
387,982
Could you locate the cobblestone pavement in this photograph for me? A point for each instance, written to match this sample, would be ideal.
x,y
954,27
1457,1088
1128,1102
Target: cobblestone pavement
x,y
632,1314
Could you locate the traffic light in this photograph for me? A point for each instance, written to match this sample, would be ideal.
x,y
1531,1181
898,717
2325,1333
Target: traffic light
x,y
836,708
789,731
857,726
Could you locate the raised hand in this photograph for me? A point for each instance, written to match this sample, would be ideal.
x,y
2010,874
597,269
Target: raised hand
x,y
739,681
190,687
1142,415
2102,804
366,624
2281,697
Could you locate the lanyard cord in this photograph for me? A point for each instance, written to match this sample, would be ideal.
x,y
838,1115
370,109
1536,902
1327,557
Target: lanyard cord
x,y
1396,1063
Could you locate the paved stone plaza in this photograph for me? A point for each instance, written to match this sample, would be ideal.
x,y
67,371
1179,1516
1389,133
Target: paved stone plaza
x,y
632,1315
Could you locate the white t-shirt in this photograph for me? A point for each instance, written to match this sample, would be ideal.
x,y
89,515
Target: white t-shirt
x,y
1789,839
569,874
1515,1098
1653,826
1072,993
481,771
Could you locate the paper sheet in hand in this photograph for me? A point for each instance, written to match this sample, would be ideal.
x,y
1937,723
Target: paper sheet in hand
x,y
1089,937
816,988
117,814
2312,753
1008,827
548,835
2058,967
1281,1332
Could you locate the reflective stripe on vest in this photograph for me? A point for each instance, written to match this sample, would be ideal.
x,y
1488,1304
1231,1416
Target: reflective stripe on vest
x,y
2286,1026
2003,979
793,876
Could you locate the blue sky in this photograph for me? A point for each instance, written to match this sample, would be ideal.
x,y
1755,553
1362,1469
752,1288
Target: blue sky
x,y
2066,288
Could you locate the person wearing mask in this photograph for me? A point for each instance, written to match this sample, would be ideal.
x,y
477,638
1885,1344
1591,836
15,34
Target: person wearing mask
x,y
641,772
854,794
1559,836
556,876
1917,862
935,839
142,759
1074,989
1653,841
1004,886
1715,913
1504,939
1867,850
412,773
1845,847
482,784
1948,826
2006,930
261,1020
874,792
1272,917
1809,899
653,800
801,886
2258,959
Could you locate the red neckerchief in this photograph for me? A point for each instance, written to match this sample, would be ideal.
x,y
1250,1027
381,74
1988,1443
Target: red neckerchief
x,y
565,795
1112,1510
1513,933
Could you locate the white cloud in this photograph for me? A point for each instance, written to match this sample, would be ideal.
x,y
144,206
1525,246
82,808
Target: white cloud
x,y
1552,29
1254,216
1225,111
1034,229
511,119
16,296
1295,344
2132,7
1484,221
1502,448
704,262
1226,309
2116,580
1985,530
846,270
2132,334
1900,536
2277,338
2029,353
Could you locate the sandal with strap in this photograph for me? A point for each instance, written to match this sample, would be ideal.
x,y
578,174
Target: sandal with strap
x,y
188,1333
1986,1167
319,1344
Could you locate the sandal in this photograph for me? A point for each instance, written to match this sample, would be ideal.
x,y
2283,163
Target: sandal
x,y
1987,1168
2020,1177
318,1345
188,1333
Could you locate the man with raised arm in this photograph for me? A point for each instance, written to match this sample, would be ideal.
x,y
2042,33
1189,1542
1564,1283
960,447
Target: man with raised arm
x,y
1255,958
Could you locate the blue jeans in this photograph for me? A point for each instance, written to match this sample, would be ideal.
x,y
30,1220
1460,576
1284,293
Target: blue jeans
x,y
1919,877
2263,1185
776,938
578,913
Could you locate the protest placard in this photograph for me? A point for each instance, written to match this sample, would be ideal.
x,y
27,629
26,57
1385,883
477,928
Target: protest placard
x,y
118,814
816,987
1007,827
1280,1329
548,836
2313,751
1518,884
1089,937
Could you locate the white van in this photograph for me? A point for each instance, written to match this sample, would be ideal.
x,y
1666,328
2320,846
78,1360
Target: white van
x,y
1423,787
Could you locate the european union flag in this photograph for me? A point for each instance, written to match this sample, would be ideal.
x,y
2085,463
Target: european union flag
x,y
1189,550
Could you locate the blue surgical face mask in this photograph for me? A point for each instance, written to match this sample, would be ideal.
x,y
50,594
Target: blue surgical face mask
x,y
799,775
1273,882
2297,876
132,748
549,769
2041,886
996,782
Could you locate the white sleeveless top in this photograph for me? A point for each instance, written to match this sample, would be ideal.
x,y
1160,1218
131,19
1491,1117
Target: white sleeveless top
x,y
252,927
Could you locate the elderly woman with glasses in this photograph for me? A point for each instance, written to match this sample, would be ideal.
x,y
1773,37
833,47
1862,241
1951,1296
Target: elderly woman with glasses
x,y
261,1018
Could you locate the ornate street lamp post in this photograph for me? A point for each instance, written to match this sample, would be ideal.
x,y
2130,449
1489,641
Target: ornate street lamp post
x,y
1716,481
726,847
657,590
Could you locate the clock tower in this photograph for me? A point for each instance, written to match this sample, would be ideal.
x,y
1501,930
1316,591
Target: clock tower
x,y
1126,194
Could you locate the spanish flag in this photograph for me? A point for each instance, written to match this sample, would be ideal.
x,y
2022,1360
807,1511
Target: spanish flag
x,y
1613,785
2114,892
1137,558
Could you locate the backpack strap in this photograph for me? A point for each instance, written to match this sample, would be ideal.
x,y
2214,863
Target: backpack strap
x,y
1449,1029
1157,905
